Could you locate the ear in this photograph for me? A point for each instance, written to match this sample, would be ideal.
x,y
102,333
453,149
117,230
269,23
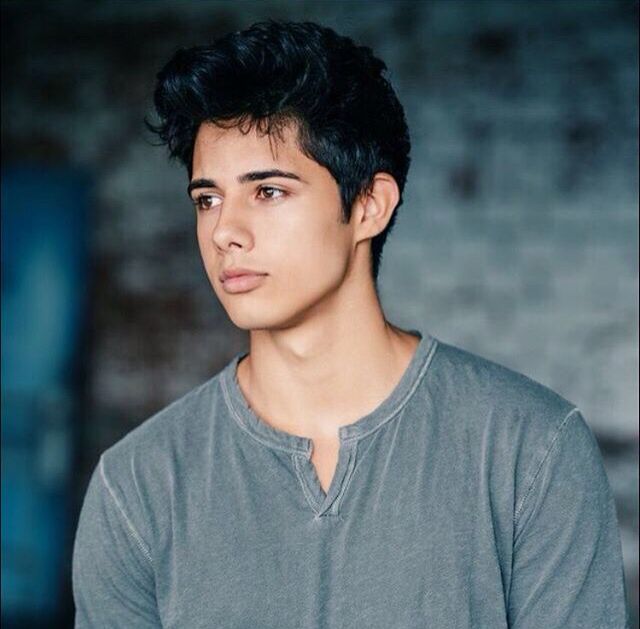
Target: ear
x,y
372,211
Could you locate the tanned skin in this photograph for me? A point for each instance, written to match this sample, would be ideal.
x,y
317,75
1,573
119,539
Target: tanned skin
x,y
322,354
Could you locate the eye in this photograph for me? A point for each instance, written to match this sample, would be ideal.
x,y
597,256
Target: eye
x,y
271,190
204,201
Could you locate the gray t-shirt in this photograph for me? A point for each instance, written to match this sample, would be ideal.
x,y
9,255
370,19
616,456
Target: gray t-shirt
x,y
472,496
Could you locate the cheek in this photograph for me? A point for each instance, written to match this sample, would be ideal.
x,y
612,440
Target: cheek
x,y
207,253
313,256
203,237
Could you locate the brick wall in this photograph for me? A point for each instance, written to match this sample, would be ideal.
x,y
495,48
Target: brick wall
x,y
517,239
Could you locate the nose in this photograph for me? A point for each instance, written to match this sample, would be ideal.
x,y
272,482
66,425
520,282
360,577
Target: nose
x,y
231,228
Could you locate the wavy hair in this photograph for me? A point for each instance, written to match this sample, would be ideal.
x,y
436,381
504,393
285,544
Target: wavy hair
x,y
348,117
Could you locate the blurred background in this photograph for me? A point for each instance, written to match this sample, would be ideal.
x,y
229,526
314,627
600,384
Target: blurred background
x,y
518,238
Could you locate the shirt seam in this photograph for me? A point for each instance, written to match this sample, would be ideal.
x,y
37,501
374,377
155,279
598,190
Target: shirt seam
x,y
306,489
240,423
419,378
518,512
291,450
346,482
131,528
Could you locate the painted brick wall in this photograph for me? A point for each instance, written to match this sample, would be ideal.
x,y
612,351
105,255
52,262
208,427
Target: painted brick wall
x,y
517,240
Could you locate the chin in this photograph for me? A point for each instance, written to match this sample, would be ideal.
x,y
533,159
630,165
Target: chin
x,y
250,319
292,308
245,319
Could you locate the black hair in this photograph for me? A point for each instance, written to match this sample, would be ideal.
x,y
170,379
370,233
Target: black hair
x,y
348,117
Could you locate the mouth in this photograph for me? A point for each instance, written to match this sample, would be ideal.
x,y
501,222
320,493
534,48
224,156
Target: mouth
x,y
243,283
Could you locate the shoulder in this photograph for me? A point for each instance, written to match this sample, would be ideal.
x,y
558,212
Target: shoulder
x,y
496,410
507,422
466,381
143,469
172,429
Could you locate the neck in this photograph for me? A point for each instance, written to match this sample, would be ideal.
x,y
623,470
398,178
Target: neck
x,y
328,370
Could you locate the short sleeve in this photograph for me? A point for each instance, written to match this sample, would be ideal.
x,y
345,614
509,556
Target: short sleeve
x,y
567,557
112,575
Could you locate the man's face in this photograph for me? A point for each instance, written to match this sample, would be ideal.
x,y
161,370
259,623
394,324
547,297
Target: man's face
x,y
288,228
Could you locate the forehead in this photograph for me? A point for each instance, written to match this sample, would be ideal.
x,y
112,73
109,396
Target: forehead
x,y
219,147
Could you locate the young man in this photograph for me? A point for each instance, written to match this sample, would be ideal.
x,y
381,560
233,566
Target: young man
x,y
343,472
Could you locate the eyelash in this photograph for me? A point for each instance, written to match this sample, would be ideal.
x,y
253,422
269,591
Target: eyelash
x,y
198,200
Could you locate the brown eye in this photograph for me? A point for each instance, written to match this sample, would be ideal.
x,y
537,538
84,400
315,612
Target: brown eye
x,y
204,201
271,190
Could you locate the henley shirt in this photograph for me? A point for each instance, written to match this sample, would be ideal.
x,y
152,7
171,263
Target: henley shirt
x,y
472,496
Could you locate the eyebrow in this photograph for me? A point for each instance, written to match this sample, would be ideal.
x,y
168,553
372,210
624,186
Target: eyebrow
x,y
255,175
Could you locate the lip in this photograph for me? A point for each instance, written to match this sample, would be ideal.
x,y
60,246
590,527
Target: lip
x,y
243,283
234,271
